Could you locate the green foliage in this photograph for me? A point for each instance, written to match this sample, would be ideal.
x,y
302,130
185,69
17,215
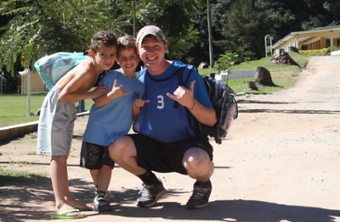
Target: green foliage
x,y
242,31
226,61
32,29
275,68
180,32
284,76
319,52
283,81
41,27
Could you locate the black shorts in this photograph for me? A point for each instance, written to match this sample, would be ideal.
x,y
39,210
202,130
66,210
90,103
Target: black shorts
x,y
166,157
94,156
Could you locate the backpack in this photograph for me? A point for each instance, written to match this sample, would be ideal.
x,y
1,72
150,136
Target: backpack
x,y
223,102
52,67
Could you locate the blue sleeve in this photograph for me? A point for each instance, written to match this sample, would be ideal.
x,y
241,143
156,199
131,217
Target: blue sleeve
x,y
200,92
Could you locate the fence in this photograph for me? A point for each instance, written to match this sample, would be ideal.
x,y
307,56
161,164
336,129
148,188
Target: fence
x,y
236,74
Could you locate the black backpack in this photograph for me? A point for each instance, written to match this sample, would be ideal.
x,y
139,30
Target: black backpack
x,y
223,102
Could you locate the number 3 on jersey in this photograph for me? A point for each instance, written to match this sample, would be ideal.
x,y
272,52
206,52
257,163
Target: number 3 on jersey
x,y
160,102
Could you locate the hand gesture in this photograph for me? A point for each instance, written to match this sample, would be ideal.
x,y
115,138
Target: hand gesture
x,y
184,96
118,91
140,102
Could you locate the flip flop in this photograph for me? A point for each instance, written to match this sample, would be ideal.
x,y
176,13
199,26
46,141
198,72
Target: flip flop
x,y
76,206
65,216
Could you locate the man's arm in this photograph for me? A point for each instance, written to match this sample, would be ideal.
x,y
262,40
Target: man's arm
x,y
204,114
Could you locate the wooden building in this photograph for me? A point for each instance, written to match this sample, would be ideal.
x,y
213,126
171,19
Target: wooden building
x,y
318,38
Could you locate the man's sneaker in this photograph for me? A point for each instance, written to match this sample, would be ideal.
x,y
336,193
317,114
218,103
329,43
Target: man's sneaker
x,y
101,202
150,194
200,195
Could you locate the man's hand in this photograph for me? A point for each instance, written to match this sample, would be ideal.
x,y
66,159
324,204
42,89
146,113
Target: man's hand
x,y
184,96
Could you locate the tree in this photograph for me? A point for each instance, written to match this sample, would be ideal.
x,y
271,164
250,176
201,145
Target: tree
x,y
243,31
174,18
226,61
276,19
41,27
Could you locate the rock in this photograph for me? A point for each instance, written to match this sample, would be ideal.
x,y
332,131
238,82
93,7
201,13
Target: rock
x,y
203,65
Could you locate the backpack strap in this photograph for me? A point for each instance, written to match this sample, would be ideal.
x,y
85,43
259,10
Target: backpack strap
x,y
186,70
183,69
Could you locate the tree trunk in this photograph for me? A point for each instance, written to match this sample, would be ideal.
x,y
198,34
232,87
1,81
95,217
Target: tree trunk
x,y
263,77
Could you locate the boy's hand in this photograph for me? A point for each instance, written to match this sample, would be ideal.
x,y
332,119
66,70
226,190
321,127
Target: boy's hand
x,y
140,102
100,90
118,91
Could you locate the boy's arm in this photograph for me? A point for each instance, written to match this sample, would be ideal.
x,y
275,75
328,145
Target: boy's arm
x,y
117,91
75,86
137,105
135,110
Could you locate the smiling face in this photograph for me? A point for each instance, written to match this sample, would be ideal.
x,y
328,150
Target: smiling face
x,y
105,56
152,52
128,60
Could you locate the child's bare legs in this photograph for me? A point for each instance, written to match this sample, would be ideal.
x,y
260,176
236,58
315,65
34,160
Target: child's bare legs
x,y
58,170
101,179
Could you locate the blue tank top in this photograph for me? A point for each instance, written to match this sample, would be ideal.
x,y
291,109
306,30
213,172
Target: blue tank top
x,y
160,119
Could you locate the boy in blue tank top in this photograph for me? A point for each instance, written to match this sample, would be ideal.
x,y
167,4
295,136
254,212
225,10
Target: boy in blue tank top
x,y
168,145
111,116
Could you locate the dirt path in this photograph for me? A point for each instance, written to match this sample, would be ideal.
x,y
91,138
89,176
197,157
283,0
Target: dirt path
x,y
280,162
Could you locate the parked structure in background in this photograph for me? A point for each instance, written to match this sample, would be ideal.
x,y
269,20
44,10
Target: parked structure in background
x,y
318,38
37,85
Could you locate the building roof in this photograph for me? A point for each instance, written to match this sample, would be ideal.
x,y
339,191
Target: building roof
x,y
302,36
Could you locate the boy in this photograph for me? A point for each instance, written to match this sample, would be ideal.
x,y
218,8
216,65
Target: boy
x,y
58,113
168,145
111,116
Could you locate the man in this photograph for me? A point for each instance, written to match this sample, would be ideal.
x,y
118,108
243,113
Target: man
x,y
166,142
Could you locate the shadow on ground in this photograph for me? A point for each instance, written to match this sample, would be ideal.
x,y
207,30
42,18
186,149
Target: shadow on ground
x,y
220,210
232,210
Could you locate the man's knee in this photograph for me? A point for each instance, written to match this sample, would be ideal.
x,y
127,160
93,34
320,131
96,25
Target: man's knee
x,y
119,148
196,156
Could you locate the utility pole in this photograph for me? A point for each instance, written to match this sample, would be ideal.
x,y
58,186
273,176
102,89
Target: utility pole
x,y
134,17
28,73
211,53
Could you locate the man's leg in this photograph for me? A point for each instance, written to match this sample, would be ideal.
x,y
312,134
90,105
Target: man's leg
x,y
124,153
199,166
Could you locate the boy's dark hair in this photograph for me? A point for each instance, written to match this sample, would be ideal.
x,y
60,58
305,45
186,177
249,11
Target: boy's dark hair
x,y
106,38
126,42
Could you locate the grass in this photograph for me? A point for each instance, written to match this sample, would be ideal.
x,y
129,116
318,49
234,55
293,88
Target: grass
x,y
284,76
14,108
14,177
